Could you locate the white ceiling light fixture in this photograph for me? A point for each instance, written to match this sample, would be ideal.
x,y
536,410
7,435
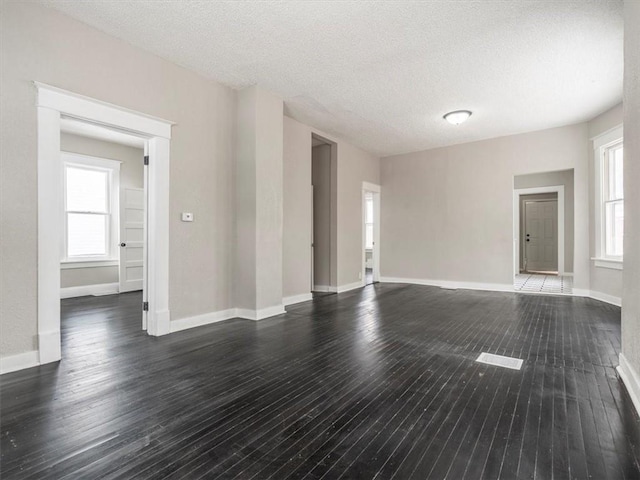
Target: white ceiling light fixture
x,y
457,117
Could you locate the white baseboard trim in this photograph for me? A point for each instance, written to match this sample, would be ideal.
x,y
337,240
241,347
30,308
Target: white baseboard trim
x,y
451,285
324,289
604,297
222,315
20,361
84,290
270,312
498,287
581,292
260,314
201,320
350,286
491,287
631,380
304,297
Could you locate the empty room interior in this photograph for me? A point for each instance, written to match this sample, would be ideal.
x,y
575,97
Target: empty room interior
x,y
321,240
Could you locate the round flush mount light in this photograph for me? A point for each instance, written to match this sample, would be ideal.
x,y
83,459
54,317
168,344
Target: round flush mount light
x,y
457,117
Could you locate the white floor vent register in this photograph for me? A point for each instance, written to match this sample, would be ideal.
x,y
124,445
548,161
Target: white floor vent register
x,y
500,361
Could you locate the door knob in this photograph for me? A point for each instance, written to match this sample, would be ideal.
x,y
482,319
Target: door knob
x,y
123,244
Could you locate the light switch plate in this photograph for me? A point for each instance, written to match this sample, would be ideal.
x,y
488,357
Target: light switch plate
x,y
187,217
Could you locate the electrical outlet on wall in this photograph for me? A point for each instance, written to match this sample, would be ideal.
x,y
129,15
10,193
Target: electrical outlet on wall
x,y
359,275
187,217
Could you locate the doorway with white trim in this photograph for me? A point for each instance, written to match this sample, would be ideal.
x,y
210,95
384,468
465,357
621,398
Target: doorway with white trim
x,y
54,106
539,233
103,194
324,272
370,233
543,232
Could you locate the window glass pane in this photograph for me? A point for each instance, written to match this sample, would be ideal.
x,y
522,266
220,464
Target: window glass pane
x,y
613,173
618,187
614,219
86,190
368,236
369,210
86,234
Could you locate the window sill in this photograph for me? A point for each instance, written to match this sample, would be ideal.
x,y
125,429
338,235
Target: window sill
x,y
88,264
607,263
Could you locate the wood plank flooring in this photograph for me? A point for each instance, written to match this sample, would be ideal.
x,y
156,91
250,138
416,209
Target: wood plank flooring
x,y
375,383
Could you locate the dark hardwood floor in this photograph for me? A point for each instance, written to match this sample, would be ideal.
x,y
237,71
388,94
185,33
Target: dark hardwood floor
x,y
376,383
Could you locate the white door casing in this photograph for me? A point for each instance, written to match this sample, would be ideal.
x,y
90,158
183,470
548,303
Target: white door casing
x,y
312,281
376,235
375,190
541,235
52,103
131,239
517,244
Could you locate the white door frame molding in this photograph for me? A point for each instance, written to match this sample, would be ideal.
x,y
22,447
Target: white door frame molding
x,y
52,103
559,189
376,190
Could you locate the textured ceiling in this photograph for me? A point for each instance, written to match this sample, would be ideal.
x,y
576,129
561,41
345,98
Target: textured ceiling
x,y
381,74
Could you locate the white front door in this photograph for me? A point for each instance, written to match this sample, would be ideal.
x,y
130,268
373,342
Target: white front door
x,y
541,236
131,238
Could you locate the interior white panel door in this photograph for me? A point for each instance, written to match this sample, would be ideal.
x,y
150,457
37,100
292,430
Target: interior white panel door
x,y
541,236
131,239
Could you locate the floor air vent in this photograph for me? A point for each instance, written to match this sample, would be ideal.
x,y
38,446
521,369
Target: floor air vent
x,y
500,361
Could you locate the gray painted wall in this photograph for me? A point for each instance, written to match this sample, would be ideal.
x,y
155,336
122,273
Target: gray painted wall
x,y
245,244
297,207
77,277
447,213
89,62
131,168
604,280
131,176
269,210
547,179
259,199
631,102
353,166
321,180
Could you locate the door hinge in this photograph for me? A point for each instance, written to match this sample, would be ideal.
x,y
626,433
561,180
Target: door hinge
x,y
145,306
146,159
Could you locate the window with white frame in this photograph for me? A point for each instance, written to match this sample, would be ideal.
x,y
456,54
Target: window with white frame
x,y
368,222
613,200
609,169
90,199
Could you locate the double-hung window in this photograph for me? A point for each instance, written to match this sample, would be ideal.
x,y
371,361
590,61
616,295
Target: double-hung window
x,y
613,201
90,198
368,222
609,168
